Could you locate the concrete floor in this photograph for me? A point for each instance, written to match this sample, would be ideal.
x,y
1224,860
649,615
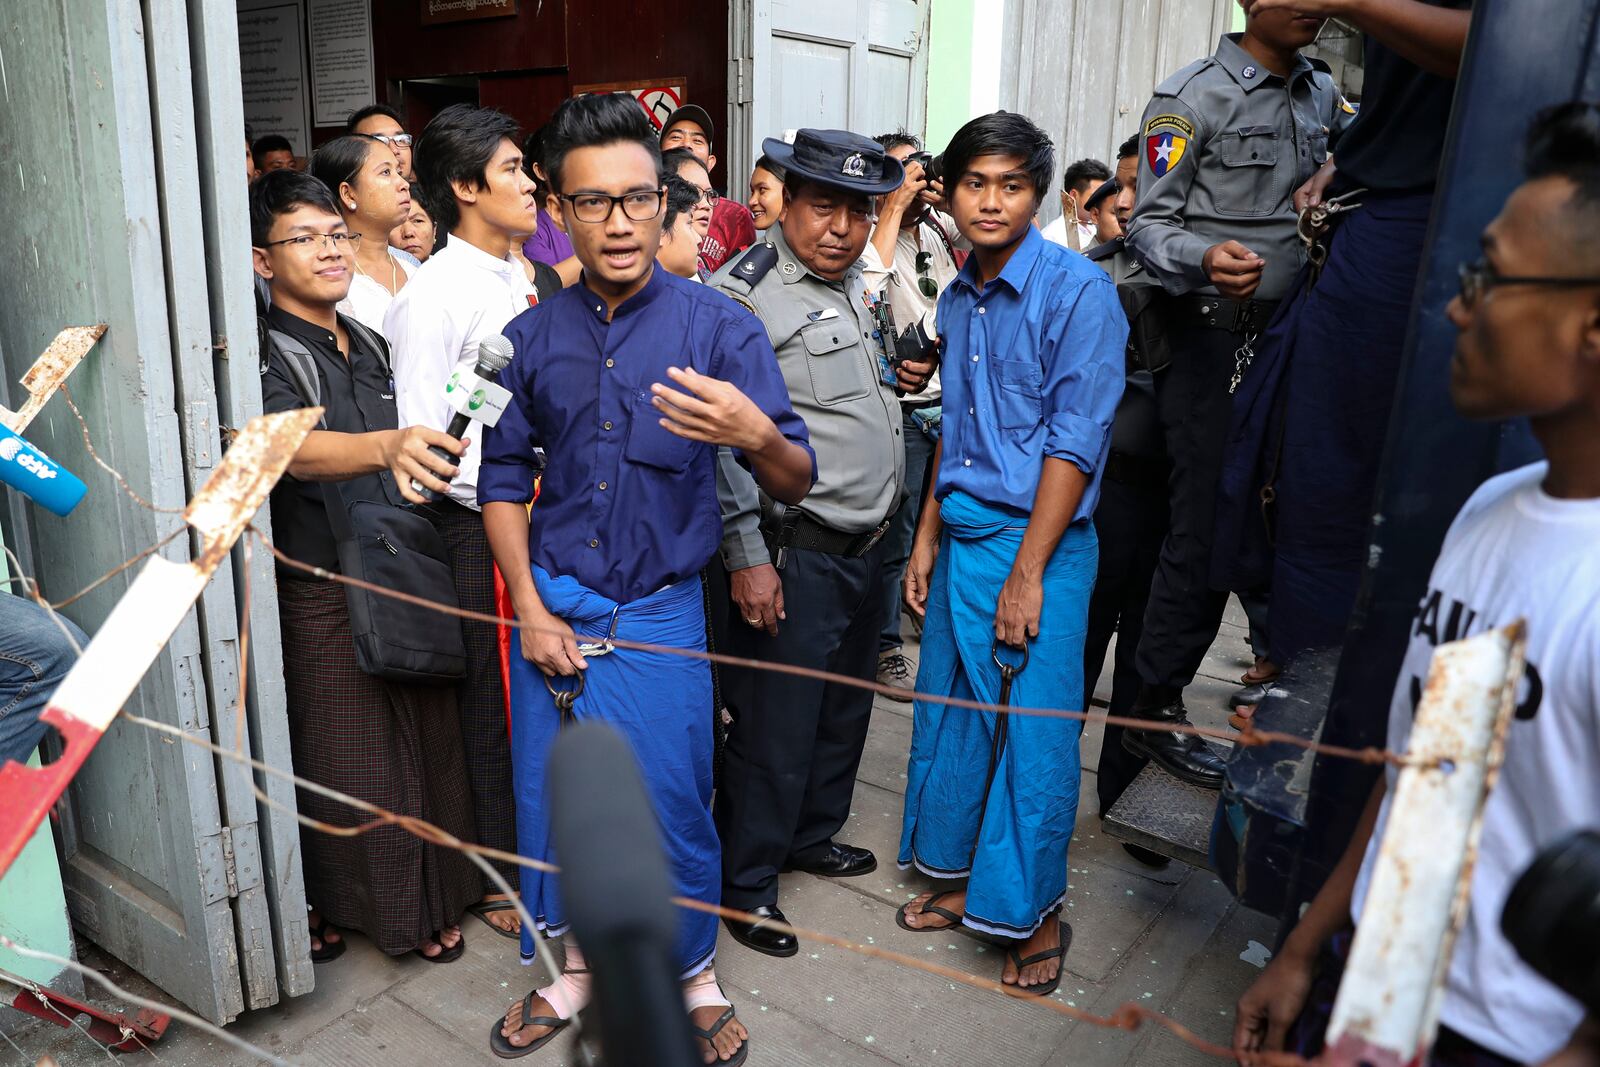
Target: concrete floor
x,y
1169,940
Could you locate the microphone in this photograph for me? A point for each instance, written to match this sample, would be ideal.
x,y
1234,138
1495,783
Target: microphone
x,y
37,476
475,398
618,894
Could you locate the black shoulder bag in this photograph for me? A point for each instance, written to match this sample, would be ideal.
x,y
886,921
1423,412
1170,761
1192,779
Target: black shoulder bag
x,y
388,545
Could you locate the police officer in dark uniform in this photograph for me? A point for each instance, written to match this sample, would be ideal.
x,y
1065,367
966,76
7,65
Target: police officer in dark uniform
x,y
1224,144
804,581
1131,518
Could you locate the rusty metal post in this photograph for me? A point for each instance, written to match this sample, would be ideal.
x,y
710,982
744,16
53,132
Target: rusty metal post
x,y
1387,1010
57,361
144,620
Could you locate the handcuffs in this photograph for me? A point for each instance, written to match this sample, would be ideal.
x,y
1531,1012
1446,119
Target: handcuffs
x,y
566,698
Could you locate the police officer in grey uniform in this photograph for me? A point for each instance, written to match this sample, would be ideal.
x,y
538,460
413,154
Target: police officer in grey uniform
x,y
1224,144
804,580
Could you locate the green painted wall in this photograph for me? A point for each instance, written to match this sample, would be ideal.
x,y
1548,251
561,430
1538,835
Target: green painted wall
x,y
949,69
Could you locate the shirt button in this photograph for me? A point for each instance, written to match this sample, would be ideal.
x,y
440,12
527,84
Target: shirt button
x,y
974,359
982,310
599,307
966,463
611,362
594,542
602,485
606,425
972,411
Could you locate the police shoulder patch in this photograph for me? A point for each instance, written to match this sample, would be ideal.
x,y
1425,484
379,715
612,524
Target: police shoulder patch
x,y
1170,122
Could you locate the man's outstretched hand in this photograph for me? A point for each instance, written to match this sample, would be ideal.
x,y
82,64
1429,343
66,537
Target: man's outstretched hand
x,y
711,410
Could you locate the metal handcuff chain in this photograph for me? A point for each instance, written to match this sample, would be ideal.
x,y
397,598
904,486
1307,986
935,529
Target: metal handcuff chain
x,y
1311,226
566,698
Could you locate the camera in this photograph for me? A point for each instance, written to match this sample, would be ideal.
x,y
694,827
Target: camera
x,y
1552,916
932,165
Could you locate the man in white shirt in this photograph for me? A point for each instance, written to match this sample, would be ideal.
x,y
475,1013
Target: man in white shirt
x,y
469,170
911,257
1524,546
1073,228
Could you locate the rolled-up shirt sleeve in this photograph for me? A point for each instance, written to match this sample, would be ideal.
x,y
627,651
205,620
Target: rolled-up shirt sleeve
x,y
1084,356
510,462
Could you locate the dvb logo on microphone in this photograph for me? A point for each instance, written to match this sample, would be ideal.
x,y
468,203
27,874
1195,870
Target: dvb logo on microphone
x,y
46,482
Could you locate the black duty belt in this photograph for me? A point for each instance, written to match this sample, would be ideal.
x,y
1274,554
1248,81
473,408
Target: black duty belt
x,y
918,405
799,530
1128,469
1234,316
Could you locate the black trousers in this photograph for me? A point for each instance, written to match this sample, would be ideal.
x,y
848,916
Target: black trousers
x,y
1131,523
789,767
1184,612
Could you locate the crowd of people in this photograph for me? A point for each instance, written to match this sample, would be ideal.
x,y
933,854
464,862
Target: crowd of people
x,y
767,428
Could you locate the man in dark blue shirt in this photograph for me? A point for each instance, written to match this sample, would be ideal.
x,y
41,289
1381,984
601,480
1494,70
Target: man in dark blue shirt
x,y
1034,337
626,517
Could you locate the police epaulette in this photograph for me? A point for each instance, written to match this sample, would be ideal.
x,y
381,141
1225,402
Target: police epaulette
x,y
754,264
1106,250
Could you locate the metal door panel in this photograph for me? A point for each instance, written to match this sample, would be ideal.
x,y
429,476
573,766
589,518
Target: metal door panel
x,y
82,244
219,118
177,168
812,83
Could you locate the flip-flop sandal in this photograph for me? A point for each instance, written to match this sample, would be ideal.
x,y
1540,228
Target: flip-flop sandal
x,y
330,950
501,1045
1254,676
483,911
929,907
449,955
709,1037
1060,953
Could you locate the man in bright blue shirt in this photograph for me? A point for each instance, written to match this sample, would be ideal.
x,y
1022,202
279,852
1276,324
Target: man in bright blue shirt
x,y
1034,338
626,517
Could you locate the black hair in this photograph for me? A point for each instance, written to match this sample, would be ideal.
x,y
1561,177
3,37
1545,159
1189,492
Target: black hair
x,y
1003,134
673,160
597,119
341,159
1078,175
1128,149
899,139
532,159
358,117
1563,141
249,135
1108,189
271,142
777,170
682,196
457,147
279,192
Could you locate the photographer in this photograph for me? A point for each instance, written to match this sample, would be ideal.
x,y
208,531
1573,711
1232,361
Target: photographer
x,y
1522,547
912,257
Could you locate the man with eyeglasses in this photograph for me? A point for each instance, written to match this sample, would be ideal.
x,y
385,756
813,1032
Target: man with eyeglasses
x,y
732,227
628,380
686,165
911,258
383,122
1523,547
805,580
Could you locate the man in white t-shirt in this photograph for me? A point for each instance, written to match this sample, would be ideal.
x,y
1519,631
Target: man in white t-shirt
x,y
911,256
1526,545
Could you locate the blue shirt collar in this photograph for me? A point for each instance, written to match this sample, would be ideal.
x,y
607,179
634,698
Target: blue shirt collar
x,y
654,286
1017,268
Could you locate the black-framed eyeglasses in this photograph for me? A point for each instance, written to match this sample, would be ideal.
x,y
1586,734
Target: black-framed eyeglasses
x,y
598,207
402,139
925,282
339,242
1479,277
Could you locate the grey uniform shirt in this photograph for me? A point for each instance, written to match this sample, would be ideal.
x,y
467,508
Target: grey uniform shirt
x,y
822,333
1223,146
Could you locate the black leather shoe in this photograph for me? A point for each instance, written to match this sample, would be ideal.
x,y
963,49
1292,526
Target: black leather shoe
x,y
840,861
1183,756
761,937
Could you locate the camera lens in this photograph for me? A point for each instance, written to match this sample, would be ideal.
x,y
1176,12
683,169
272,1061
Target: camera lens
x,y
1552,916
